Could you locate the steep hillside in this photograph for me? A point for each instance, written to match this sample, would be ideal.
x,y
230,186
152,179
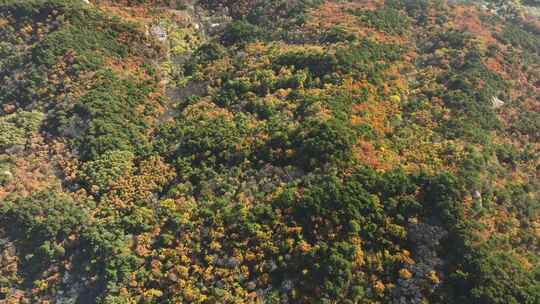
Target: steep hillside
x,y
269,151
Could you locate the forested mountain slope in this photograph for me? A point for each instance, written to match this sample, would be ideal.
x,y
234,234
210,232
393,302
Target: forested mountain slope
x,y
269,151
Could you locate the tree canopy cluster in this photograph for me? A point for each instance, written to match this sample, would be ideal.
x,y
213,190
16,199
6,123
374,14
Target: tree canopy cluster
x,y
261,151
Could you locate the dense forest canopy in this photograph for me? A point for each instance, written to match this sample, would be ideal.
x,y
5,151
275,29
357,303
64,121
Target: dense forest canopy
x,y
270,151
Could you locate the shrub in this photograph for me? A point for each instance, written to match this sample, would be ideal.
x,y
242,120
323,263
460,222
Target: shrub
x,y
499,278
320,142
15,129
387,20
317,63
98,175
240,33
41,223
44,216
112,115
517,37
